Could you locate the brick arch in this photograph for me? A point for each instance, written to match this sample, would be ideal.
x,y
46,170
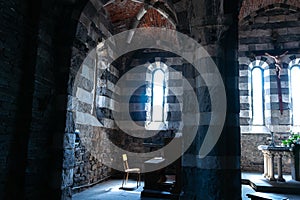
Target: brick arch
x,y
286,62
253,7
292,60
261,59
261,62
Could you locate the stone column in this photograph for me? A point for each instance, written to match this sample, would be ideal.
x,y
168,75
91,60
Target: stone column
x,y
216,175
271,164
279,168
265,164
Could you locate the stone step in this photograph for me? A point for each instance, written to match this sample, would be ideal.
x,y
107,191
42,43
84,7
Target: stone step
x,y
265,196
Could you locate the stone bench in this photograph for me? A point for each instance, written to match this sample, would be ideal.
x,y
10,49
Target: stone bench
x,y
265,196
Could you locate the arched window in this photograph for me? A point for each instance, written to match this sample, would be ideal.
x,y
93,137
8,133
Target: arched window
x,y
295,93
257,83
158,93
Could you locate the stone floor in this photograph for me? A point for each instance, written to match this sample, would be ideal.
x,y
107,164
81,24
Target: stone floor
x,y
290,188
110,190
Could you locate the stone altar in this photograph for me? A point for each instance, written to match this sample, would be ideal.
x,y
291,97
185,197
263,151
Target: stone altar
x,y
270,152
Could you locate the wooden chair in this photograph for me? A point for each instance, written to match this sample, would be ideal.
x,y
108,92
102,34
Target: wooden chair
x,y
130,170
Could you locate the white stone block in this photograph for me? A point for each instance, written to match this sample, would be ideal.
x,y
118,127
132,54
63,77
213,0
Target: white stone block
x,y
245,99
87,119
105,102
87,72
84,96
244,73
243,86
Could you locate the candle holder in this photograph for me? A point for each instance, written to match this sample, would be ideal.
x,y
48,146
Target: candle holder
x,y
272,144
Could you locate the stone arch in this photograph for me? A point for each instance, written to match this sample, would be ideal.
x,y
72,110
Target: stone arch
x,y
251,8
292,60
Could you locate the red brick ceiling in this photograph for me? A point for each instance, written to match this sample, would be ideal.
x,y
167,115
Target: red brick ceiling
x,y
122,14
123,10
154,19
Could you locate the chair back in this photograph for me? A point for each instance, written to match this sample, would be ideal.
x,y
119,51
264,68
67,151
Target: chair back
x,y
125,162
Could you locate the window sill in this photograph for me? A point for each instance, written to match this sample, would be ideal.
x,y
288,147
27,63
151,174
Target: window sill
x,y
255,129
156,126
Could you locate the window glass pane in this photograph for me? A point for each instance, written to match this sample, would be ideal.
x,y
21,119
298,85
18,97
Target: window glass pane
x,y
295,84
158,95
257,92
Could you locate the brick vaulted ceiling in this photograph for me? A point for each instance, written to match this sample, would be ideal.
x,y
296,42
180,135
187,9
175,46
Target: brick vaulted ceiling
x,y
128,14
250,6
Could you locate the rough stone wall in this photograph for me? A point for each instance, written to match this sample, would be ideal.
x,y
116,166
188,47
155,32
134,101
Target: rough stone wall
x,y
95,96
88,169
252,159
92,84
273,29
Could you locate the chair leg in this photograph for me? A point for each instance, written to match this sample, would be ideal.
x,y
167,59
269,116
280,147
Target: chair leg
x,y
123,180
138,179
127,174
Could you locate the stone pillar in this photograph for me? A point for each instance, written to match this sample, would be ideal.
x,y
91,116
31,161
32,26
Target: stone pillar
x,y
265,164
279,168
216,175
271,165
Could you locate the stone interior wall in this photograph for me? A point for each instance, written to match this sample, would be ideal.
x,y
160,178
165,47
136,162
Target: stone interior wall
x,y
140,101
252,158
95,98
93,119
98,129
274,29
90,102
88,169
